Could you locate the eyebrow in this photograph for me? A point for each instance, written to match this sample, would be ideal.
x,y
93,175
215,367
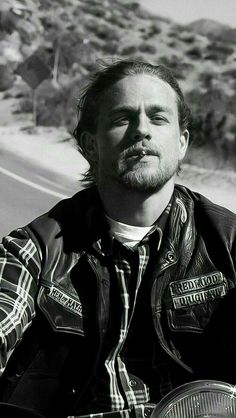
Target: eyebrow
x,y
149,109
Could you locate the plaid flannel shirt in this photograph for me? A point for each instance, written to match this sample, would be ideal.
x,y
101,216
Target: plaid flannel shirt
x,y
19,271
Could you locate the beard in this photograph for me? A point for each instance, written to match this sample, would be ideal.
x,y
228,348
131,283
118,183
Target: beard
x,y
145,177
145,180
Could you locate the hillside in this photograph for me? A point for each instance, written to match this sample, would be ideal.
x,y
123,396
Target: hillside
x,y
213,30
63,40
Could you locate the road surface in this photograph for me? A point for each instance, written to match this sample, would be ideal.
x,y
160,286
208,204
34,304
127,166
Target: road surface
x,y
28,191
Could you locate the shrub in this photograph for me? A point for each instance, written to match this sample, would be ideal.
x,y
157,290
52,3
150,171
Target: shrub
x,y
25,105
72,49
106,33
90,24
213,56
7,78
97,11
208,128
233,129
214,99
187,37
179,68
220,48
111,48
230,73
90,65
142,14
64,17
153,30
117,20
172,44
134,6
147,48
128,50
194,53
218,51
173,33
207,79
56,107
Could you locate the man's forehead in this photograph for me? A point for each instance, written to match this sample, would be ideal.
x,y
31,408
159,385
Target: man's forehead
x,y
133,89
147,107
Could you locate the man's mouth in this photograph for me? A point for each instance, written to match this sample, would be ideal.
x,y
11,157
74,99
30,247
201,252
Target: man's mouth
x,y
140,152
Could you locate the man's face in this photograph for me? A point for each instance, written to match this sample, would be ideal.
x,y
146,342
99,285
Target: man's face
x,y
138,142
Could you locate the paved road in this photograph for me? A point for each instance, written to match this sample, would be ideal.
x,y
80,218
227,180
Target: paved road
x,y
27,191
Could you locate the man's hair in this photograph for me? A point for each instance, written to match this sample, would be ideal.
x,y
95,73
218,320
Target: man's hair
x,y
100,82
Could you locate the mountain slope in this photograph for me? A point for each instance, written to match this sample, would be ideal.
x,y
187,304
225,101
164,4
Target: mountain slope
x,y
213,29
69,36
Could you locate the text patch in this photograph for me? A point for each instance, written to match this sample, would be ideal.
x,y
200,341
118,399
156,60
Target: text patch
x,y
197,290
65,300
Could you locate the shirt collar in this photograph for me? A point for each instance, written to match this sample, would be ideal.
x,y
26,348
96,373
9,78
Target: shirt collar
x,y
104,242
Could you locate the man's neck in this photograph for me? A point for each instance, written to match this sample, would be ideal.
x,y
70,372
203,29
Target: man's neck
x,y
135,208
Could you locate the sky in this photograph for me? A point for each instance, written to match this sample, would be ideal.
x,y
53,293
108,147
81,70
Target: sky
x,y
186,11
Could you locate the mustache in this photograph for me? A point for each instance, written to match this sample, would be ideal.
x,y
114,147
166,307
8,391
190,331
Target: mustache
x,y
137,150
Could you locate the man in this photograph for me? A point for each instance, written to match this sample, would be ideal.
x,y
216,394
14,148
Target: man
x,y
126,290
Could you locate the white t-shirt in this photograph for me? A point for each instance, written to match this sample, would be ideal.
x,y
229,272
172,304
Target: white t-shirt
x,y
127,234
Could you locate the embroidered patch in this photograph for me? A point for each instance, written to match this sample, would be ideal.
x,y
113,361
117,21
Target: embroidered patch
x,y
65,300
198,289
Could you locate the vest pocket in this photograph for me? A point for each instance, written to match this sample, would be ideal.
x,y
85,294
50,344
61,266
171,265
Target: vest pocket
x,y
191,319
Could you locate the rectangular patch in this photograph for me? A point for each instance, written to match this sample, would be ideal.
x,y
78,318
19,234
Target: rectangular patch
x,y
199,297
200,283
65,300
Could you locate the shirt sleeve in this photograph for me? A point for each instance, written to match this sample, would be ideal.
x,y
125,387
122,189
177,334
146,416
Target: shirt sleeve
x,y
20,266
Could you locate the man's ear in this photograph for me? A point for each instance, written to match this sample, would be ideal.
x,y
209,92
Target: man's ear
x,y
183,143
89,146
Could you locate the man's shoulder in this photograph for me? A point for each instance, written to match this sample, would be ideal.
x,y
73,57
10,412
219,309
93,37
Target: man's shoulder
x,y
67,217
203,202
208,213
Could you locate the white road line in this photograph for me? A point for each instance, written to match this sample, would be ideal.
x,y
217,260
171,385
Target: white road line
x,y
31,183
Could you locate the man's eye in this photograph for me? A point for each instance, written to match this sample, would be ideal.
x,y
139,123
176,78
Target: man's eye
x,y
158,119
120,121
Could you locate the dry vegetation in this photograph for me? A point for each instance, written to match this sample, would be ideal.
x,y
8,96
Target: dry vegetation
x,y
70,35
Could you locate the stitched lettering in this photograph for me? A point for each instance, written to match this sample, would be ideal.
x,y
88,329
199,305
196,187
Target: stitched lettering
x,y
181,287
65,300
199,297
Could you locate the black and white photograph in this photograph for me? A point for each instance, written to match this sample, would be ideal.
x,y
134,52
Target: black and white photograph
x,y
118,209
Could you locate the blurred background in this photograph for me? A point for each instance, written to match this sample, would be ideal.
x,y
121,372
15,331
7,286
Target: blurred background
x,y
47,50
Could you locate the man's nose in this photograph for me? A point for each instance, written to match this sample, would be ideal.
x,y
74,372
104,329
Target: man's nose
x,y
142,130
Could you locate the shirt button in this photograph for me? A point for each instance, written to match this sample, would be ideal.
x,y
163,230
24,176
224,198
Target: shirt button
x,y
132,383
147,412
